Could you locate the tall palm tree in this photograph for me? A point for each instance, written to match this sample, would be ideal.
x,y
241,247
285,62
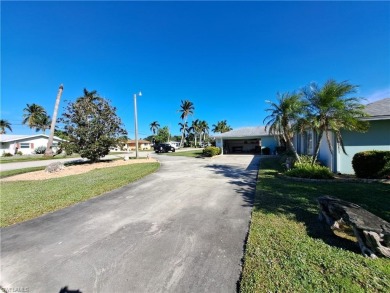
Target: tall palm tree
x,y
154,126
32,115
204,126
4,124
49,151
195,128
283,116
330,110
184,128
186,108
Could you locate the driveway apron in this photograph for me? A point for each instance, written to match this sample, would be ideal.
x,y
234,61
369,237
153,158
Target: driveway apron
x,y
181,229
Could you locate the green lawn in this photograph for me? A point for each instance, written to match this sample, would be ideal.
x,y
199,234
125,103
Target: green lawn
x,y
193,153
289,250
24,200
27,158
9,173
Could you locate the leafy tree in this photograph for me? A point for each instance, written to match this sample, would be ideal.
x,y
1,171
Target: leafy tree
x,y
221,127
33,116
4,124
283,117
92,126
162,134
331,110
186,108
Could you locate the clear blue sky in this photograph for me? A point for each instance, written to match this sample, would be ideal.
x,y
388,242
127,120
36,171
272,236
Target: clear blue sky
x,y
225,57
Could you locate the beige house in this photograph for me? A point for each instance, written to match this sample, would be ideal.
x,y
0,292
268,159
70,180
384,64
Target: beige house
x,y
142,145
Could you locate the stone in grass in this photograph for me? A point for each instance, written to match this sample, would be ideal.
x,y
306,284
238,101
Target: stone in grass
x,y
55,167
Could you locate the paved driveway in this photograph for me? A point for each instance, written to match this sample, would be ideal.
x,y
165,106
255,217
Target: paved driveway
x,y
181,229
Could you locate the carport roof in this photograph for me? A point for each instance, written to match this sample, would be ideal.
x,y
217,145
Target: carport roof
x,y
255,131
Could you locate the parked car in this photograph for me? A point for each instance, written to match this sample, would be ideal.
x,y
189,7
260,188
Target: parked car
x,y
163,148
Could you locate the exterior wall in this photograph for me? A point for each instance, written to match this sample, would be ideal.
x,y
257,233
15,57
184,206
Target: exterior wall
x,y
33,143
325,156
377,138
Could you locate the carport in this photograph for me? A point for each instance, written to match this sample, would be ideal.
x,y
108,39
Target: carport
x,y
246,140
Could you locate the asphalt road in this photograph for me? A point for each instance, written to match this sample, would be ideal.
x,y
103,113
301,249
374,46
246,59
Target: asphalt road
x,y
181,229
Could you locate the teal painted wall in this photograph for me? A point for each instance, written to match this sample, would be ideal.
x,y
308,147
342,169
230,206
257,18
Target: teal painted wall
x,y
377,138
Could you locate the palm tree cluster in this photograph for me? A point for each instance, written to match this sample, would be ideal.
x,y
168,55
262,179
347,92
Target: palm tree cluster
x,y
325,110
35,116
221,127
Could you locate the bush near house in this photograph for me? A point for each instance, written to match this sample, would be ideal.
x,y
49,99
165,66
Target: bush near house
x,y
305,169
211,151
266,151
40,150
371,164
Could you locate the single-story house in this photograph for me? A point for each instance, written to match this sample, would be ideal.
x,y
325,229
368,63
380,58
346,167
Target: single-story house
x,y
10,143
142,145
246,140
376,138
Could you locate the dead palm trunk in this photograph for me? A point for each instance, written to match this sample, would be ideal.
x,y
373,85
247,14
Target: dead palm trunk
x,y
49,151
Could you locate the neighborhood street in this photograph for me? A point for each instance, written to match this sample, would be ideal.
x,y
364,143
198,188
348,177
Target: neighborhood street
x,y
181,229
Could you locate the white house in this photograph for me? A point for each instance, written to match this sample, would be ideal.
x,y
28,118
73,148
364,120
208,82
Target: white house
x,y
246,140
25,143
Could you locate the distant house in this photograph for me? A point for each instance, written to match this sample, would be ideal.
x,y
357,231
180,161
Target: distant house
x,y
246,140
376,138
25,143
142,145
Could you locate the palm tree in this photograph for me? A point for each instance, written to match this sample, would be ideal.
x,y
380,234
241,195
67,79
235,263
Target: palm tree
x,y
283,117
32,115
204,127
186,108
154,126
221,127
42,123
184,128
4,124
49,151
331,111
195,127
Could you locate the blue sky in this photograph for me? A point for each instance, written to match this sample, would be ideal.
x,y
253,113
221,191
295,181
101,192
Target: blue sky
x,y
228,58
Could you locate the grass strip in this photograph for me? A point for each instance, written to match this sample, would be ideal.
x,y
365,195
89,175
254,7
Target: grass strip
x,y
289,250
24,200
9,173
17,159
193,153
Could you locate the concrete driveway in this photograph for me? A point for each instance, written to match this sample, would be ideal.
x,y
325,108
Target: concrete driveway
x,y
181,229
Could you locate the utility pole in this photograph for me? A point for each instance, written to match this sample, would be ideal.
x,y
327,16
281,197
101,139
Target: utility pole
x,y
49,151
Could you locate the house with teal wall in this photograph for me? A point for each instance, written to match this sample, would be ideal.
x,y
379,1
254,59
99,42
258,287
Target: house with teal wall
x,y
376,138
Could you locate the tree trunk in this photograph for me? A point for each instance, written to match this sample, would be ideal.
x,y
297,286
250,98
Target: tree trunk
x,y
317,149
291,145
49,151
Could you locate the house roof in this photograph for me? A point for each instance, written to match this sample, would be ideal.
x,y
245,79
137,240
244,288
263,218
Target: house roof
x,y
379,110
15,137
139,141
255,131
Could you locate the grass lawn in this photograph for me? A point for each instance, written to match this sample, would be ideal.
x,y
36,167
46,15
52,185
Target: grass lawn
x,y
24,200
28,158
289,250
9,173
193,153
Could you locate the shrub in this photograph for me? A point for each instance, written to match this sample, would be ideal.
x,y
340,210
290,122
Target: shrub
x,y
371,164
19,153
304,170
6,154
266,151
40,150
211,151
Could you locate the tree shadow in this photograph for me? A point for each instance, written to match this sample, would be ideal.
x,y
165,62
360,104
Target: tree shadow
x,y
66,290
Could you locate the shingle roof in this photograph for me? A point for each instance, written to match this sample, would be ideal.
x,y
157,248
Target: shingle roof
x,y
255,131
379,109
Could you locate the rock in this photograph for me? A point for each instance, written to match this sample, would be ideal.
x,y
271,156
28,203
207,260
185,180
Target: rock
x,y
126,157
372,232
55,167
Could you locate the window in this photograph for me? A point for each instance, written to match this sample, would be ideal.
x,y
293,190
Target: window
x,y
24,145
